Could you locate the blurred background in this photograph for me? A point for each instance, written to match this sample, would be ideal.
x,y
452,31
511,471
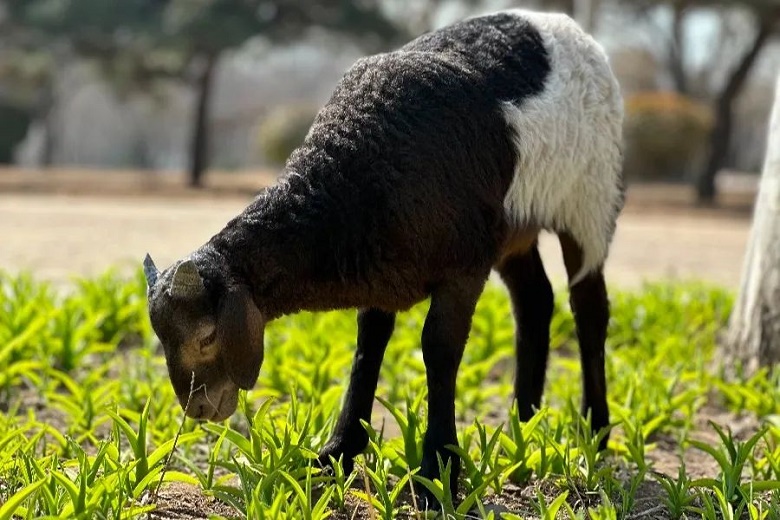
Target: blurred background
x,y
210,96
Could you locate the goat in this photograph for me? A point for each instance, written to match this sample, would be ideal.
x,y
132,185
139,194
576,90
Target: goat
x,y
429,167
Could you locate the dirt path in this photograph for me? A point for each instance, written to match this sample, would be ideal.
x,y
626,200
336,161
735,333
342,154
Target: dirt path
x,y
57,236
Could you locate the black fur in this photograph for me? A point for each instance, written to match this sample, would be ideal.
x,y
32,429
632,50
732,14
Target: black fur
x,y
404,170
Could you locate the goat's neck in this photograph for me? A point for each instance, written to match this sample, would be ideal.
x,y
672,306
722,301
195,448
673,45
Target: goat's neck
x,y
280,247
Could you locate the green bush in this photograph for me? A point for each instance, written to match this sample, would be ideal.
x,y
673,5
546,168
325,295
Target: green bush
x,y
666,134
283,131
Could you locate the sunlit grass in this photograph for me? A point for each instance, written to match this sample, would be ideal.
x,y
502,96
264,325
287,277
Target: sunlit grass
x,y
89,418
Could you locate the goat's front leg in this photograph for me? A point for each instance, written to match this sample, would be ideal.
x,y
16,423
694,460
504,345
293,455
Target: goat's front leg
x,y
444,338
349,438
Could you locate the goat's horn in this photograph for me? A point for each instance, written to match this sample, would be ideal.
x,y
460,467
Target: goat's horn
x,y
150,271
186,282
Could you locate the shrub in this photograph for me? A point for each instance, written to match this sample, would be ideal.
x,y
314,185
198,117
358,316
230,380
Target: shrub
x,y
666,134
283,130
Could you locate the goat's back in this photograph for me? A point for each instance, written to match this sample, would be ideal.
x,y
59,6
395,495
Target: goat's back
x,y
432,151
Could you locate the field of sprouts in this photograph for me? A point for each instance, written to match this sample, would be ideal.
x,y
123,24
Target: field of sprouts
x,y
90,426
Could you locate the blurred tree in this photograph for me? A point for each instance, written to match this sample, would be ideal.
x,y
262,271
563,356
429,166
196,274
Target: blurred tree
x,y
138,42
14,122
25,85
757,21
203,30
284,128
41,38
25,93
754,328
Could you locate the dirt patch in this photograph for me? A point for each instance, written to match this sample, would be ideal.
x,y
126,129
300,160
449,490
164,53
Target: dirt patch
x,y
735,200
132,183
178,501
668,454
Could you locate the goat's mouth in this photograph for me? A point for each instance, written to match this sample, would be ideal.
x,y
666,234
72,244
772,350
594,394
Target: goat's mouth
x,y
213,404
228,402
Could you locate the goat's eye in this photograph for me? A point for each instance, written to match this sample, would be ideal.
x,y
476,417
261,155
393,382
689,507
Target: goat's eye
x,y
208,340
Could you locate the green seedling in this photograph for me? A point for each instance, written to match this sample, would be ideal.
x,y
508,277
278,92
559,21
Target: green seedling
x,y
603,511
252,448
549,511
75,336
118,308
440,489
147,465
758,512
487,470
517,445
342,483
206,478
587,463
309,508
383,500
628,494
411,429
679,495
732,457
14,506
84,400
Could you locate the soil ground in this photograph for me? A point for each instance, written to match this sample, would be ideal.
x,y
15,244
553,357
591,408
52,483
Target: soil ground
x,y
62,223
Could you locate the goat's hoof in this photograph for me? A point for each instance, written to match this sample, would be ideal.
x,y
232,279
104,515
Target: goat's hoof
x,y
425,500
326,463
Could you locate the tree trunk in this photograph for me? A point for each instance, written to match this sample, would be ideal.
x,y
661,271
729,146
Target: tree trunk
x,y
754,329
720,137
677,50
46,116
199,145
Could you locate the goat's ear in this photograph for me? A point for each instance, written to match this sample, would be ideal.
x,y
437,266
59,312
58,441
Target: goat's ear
x,y
187,283
240,336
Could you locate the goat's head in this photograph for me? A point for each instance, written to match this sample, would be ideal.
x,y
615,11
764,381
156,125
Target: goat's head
x,y
212,334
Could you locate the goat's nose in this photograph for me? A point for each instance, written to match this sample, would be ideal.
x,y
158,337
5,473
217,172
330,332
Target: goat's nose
x,y
196,409
199,411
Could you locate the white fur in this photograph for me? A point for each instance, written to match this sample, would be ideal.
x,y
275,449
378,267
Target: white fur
x,y
569,143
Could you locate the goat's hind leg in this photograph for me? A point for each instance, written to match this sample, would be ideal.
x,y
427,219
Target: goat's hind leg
x,y
590,305
532,304
349,438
